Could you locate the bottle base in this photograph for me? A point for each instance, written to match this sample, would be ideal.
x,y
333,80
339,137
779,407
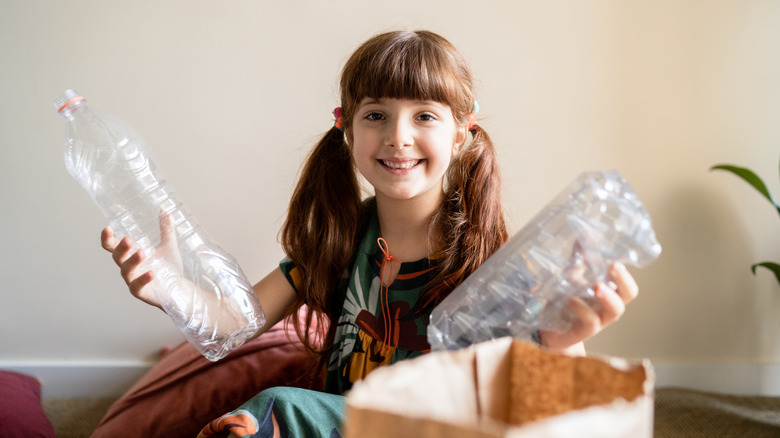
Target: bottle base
x,y
216,349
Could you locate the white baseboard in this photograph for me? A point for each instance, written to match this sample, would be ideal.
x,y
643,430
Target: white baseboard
x,y
112,379
736,379
82,379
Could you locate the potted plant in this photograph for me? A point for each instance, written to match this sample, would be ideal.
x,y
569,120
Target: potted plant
x,y
751,178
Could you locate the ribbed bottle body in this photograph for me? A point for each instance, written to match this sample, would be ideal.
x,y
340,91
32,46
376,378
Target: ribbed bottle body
x,y
562,252
199,285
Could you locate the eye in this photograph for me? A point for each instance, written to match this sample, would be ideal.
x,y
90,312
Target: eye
x,y
373,115
426,117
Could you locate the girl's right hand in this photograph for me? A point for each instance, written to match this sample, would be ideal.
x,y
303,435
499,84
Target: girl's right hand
x,y
129,259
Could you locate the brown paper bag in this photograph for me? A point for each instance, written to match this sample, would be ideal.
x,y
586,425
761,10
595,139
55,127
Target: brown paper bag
x,y
503,388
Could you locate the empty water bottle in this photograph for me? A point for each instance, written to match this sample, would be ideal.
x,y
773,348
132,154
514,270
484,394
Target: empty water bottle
x,y
198,284
563,252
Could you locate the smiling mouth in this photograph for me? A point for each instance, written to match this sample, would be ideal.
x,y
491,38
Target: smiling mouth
x,y
400,164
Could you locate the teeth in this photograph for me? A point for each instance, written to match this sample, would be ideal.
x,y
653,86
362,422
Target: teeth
x,y
400,165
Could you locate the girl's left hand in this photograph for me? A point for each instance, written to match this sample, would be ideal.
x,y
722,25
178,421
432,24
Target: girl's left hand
x,y
589,321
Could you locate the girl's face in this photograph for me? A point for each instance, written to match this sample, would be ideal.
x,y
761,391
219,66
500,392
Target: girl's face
x,y
404,147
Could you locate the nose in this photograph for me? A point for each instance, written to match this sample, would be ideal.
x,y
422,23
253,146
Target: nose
x,y
399,133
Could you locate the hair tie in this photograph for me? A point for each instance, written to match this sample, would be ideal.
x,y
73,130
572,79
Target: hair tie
x,y
473,114
339,124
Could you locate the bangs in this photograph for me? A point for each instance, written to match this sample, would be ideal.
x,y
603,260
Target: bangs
x,y
408,65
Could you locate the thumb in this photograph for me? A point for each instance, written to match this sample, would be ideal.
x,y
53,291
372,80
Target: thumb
x,y
167,229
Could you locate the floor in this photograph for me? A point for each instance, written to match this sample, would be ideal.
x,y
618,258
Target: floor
x,y
679,413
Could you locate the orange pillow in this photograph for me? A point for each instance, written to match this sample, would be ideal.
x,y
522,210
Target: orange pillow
x,y
183,392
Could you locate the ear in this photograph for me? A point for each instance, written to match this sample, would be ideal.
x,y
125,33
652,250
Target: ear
x,y
460,138
348,138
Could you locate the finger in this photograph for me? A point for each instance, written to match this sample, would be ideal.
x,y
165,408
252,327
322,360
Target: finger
x,y
626,285
123,250
587,321
108,240
612,305
167,229
128,267
139,283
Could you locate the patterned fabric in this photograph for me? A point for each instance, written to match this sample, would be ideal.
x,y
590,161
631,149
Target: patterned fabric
x,y
358,346
283,412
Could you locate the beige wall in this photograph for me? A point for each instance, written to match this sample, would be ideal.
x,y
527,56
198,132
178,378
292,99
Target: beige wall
x,y
231,95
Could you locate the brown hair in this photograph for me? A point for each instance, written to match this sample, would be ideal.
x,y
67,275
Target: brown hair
x,y
326,217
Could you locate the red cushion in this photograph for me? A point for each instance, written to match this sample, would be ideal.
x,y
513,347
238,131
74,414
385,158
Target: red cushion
x,y
21,413
183,392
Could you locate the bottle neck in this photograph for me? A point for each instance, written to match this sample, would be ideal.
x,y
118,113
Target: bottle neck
x,y
72,105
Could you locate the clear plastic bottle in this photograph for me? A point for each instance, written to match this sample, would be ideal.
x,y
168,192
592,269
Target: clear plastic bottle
x,y
199,285
562,252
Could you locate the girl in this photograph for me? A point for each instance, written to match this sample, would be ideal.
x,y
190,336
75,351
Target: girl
x,y
375,268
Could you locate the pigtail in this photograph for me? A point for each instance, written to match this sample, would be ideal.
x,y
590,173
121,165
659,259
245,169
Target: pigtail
x,y
320,234
471,220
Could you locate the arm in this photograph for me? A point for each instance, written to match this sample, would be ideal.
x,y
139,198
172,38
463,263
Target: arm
x,y
274,292
276,295
590,322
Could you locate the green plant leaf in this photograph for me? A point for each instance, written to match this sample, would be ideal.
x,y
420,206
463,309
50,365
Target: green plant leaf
x,y
752,179
774,267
